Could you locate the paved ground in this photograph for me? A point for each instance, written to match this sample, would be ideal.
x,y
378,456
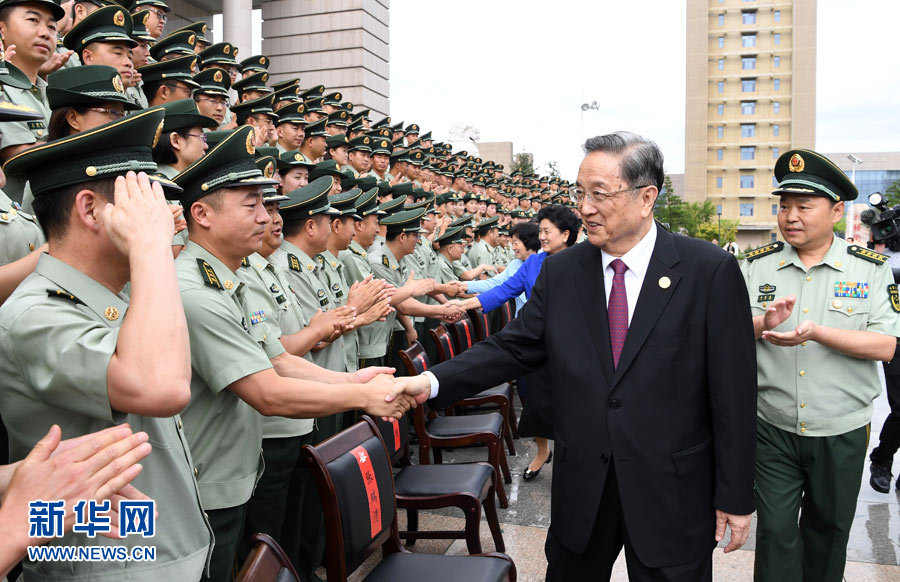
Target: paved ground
x,y
873,553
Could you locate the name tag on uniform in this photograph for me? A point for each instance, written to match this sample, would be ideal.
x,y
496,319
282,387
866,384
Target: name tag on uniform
x,y
851,289
35,125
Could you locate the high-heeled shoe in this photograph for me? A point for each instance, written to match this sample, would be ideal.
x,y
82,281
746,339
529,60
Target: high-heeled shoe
x,y
529,474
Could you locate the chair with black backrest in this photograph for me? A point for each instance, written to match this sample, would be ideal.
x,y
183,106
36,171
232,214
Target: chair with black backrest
x,y
443,432
353,476
463,334
481,321
507,311
466,486
499,397
267,562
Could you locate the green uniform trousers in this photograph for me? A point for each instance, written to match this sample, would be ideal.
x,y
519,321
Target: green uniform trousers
x,y
817,479
227,525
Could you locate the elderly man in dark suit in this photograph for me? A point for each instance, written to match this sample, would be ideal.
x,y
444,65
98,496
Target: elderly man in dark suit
x,y
649,342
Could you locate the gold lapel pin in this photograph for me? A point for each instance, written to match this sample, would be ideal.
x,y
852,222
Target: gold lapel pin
x,y
664,282
111,313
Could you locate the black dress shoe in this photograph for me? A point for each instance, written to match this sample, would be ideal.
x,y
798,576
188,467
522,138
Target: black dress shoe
x,y
529,474
881,478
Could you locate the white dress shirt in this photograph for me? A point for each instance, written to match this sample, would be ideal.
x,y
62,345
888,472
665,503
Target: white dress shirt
x,y
637,260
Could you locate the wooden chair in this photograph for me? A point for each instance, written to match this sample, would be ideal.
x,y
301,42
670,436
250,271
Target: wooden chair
x,y
267,562
439,432
353,476
463,335
481,321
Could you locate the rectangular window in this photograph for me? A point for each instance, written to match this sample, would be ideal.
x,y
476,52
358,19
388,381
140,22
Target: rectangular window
x,y
775,153
748,85
748,130
721,42
777,38
776,107
748,17
746,209
720,86
748,40
720,154
719,182
721,20
747,182
721,64
774,209
774,182
748,63
748,152
748,107
777,15
776,61
720,131
776,130
776,84
772,237
720,109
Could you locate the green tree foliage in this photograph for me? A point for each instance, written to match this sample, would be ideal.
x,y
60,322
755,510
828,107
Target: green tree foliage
x,y
523,162
553,169
694,219
892,194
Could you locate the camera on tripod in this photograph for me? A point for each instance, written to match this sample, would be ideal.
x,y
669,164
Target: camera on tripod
x,y
884,222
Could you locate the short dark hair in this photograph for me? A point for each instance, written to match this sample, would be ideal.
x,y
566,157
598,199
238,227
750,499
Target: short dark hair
x,y
164,153
563,219
527,232
54,207
293,226
151,88
393,234
59,124
213,199
640,160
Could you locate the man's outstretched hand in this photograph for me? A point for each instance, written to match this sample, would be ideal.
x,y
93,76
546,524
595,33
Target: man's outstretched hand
x,y
418,387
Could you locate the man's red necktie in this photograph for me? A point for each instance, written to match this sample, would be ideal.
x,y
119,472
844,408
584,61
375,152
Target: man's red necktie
x,y
618,310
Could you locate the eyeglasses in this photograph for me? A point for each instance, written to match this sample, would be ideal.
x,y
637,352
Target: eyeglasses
x,y
178,87
601,197
114,113
219,101
200,136
160,15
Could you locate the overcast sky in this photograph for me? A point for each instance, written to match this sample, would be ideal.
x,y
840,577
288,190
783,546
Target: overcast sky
x,y
520,71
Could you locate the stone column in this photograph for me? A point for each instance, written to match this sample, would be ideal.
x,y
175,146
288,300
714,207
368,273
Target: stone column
x,y
342,45
236,27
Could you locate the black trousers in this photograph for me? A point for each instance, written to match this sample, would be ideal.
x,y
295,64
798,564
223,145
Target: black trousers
x,y
227,525
607,540
889,439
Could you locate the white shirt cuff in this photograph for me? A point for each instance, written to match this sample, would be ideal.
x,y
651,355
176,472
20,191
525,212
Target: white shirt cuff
x,y
435,385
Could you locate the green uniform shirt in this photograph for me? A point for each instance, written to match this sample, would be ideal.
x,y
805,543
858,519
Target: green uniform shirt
x,y
330,273
385,266
356,268
376,244
180,238
302,276
13,133
499,256
812,390
136,95
445,272
56,351
481,253
225,433
19,231
270,299
74,59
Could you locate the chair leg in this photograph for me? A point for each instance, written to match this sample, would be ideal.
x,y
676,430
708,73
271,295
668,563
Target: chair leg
x,y
412,525
438,456
506,411
490,514
504,466
424,457
494,459
473,525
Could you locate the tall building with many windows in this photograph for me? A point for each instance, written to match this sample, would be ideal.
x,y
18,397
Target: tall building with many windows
x,y
751,95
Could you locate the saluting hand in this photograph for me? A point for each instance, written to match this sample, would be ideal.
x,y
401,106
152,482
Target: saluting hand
x,y
140,219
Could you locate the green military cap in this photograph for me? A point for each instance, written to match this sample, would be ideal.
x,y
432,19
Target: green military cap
x,y
393,205
425,136
384,187
416,158
336,141
199,28
314,105
260,106
355,125
312,92
364,114
347,106
338,118
295,82
367,182
487,224
453,196
256,63
344,203
288,93
272,152
806,172
12,76
385,122
222,53
326,168
213,138
293,159
267,165
397,126
399,154
381,146
230,164
107,24
178,43
348,182
383,133
418,193
403,221
404,188
140,4
412,129
333,99
107,151
419,204
398,143
317,128
183,114
12,112
254,82
309,200
290,113
139,26
367,203
213,81
452,235
464,220
85,86
51,5
362,143
178,69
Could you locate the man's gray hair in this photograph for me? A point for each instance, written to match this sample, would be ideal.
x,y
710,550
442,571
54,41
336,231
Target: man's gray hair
x,y
640,160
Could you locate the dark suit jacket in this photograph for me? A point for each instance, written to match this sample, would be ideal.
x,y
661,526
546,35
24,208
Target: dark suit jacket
x,y
678,415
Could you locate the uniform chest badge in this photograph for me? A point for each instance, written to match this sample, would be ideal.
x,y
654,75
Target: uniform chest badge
x,y
767,288
853,289
257,317
894,296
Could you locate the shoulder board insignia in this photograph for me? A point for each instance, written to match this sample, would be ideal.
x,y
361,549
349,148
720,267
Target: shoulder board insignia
x,y
357,253
209,276
294,263
867,254
766,250
385,261
245,262
320,259
894,296
64,295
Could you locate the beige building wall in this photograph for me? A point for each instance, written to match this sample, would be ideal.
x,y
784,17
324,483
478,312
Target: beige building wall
x,y
499,152
343,45
749,99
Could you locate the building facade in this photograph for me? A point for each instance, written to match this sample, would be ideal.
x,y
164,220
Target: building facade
x,y
751,82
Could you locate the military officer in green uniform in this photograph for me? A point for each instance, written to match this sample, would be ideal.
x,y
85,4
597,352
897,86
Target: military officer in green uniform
x,y
486,233
290,127
212,93
73,358
237,372
825,312
140,57
20,233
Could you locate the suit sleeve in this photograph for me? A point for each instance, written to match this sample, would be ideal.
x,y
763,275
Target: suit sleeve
x,y
731,373
517,349
512,287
